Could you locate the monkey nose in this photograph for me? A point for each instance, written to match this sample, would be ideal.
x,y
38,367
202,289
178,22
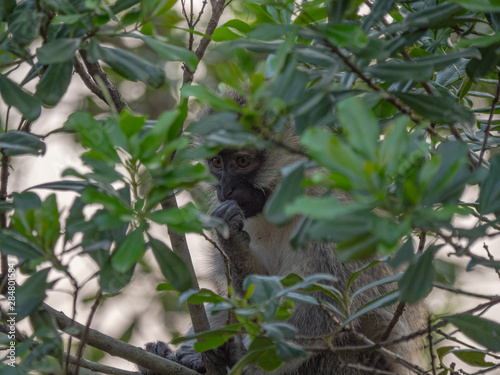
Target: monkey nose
x,y
227,192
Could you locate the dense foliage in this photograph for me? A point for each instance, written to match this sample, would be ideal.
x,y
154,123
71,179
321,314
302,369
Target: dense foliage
x,y
396,101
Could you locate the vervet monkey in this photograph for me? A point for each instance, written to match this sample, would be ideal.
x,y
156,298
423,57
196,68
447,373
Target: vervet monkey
x,y
246,180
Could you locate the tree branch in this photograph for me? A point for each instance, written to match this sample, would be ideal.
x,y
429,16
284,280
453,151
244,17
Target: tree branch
x,y
116,347
490,119
87,79
197,312
21,337
4,178
217,10
96,72
81,346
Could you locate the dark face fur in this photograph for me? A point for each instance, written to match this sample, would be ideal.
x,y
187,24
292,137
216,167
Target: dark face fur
x,y
235,170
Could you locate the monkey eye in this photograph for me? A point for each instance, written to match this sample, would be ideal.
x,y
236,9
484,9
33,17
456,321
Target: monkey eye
x,y
216,162
243,161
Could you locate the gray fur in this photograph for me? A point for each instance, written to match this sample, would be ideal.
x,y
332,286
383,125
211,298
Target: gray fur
x,y
256,246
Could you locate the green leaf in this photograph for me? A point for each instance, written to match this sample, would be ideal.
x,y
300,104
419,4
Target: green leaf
x,y
261,351
323,208
182,220
67,19
269,31
443,178
386,280
489,195
171,52
21,143
31,294
432,16
401,71
360,124
131,124
472,357
266,287
48,226
442,61
111,202
54,83
212,341
94,136
355,248
128,65
58,51
129,252
6,8
346,35
480,41
182,175
479,5
267,357
480,67
172,266
224,32
111,281
289,188
14,244
6,206
394,146
403,255
45,330
417,280
385,300
121,5
331,153
379,9
24,22
310,15
438,109
442,351
483,331
287,351
64,185
15,96
207,97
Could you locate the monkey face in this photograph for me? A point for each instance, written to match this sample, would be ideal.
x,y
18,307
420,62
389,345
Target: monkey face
x,y
237,171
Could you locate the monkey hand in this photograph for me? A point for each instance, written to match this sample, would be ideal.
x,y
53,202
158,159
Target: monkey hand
x,y
233,215
185,355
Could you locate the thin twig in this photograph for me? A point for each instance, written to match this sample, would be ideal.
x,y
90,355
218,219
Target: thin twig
x,y
197,312
217,10
454,339
365,369
387,96
116,347
431,346
179,245
491,257
81,345
87,79
463,292
490,119
4,178
22,337
397,315
95,70
203,5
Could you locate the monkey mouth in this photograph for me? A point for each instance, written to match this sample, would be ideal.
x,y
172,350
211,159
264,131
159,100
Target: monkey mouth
x,y
251,209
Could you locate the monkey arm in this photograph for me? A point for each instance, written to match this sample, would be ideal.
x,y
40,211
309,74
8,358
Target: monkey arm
x,y
242,261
